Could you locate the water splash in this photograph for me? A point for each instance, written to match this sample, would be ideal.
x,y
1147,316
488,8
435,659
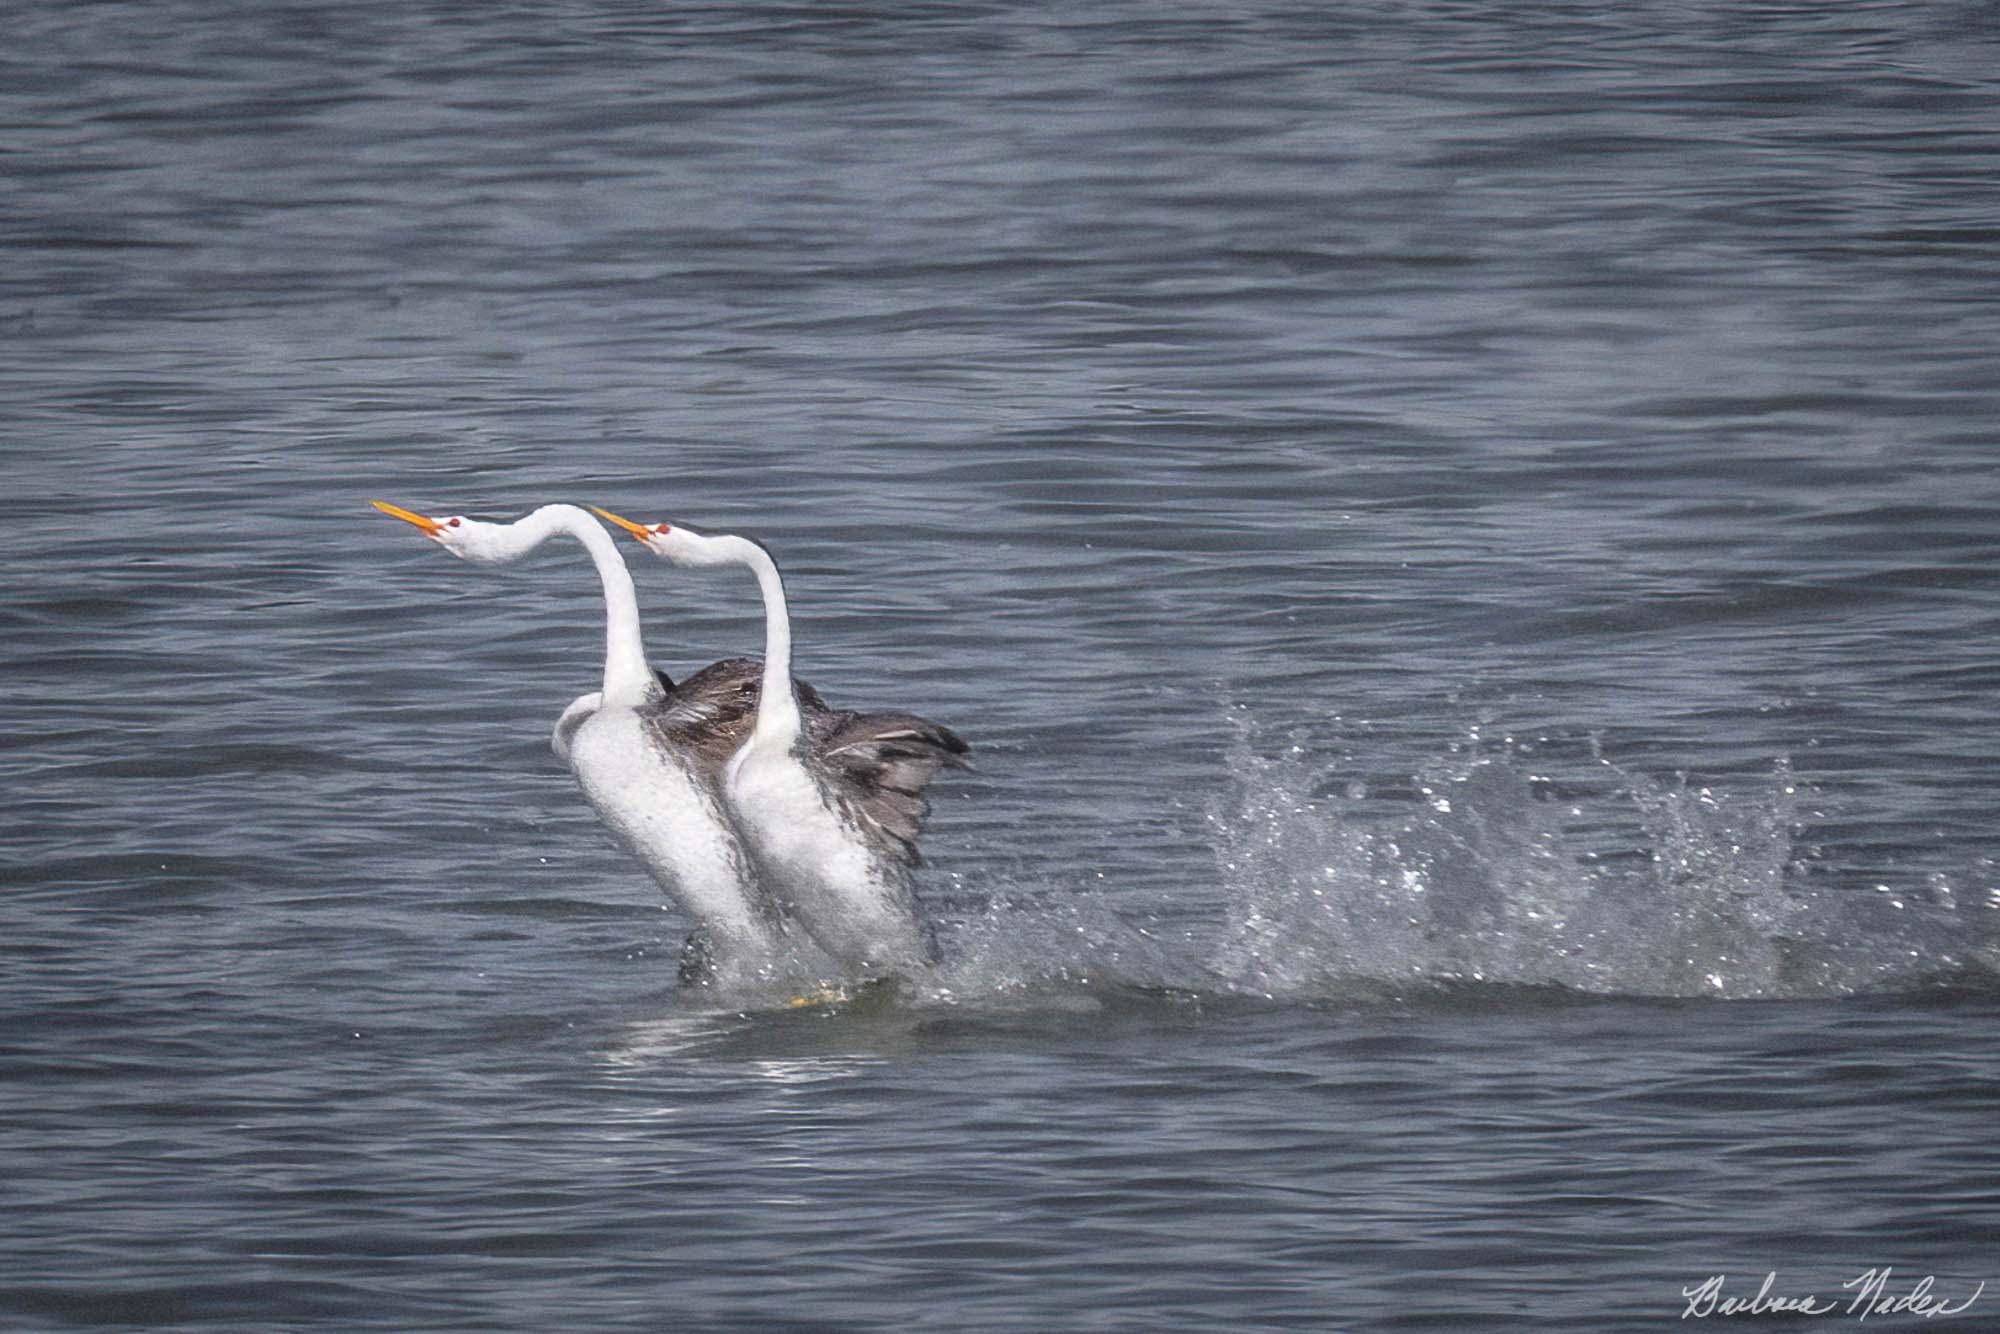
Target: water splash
x,y
1489,869
1616,885
1030,948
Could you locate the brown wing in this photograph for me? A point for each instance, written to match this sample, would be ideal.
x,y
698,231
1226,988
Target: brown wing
x,y
708,716
878,765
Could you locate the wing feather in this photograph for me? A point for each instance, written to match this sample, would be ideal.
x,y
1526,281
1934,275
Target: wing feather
x,y
878,765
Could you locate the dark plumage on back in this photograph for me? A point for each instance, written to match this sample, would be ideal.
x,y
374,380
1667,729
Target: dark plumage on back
x,y
874,766
708,716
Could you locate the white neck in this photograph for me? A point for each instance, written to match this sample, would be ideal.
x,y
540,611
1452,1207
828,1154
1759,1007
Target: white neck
x,y
627,677
777,707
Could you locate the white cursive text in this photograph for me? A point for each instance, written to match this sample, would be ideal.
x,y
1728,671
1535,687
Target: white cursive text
x,y
1871,1297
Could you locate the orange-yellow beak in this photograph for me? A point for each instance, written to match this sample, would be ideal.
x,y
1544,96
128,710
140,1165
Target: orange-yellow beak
x,y
638,530
430,526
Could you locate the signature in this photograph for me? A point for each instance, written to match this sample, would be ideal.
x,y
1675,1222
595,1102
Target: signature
x,y
1872,1295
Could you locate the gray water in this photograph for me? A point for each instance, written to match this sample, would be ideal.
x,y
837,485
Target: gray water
x,y
1463,540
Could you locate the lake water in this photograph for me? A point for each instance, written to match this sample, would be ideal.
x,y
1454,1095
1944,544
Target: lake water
x,y
1466,541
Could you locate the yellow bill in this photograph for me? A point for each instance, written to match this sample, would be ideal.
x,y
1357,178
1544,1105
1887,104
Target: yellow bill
x,y
423,521
638,530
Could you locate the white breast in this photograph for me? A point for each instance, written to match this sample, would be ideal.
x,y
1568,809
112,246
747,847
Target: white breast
x,y
672,823
823,870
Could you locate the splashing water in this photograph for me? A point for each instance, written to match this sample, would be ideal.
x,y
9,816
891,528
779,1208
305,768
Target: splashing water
x,y
1487,879
1491,874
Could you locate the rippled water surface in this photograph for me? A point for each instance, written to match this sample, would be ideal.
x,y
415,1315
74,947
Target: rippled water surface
x,y
1464,541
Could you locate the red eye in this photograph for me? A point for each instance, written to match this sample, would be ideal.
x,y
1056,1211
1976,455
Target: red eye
x,y
454,523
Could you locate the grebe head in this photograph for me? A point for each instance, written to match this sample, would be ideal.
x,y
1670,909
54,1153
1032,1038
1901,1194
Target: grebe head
x,y
682,546
468,539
